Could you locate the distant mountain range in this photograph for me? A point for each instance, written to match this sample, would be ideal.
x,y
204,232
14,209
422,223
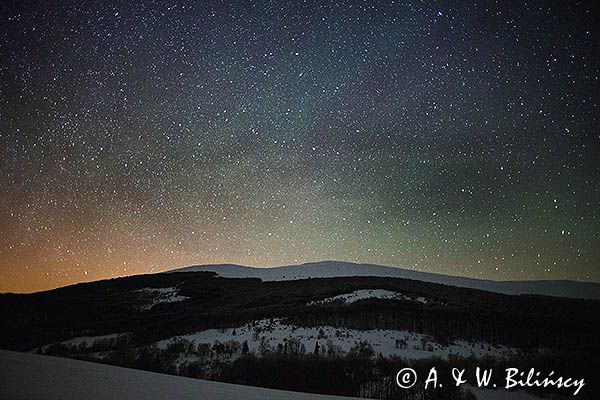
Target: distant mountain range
x,y
331,269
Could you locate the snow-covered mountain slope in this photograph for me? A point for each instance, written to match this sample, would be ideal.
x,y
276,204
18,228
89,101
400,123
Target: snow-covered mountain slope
x,y
36,377
266,335
330,269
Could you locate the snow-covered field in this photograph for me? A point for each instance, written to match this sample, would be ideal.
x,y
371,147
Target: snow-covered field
x,y
35,377
331,269
266,335
500,394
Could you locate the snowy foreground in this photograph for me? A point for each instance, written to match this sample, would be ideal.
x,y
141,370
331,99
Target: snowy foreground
x,y
332,269
33,377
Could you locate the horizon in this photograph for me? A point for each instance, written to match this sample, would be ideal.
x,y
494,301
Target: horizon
x,y
225,264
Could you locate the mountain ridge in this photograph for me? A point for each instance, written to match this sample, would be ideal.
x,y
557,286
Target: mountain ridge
x,y
329,269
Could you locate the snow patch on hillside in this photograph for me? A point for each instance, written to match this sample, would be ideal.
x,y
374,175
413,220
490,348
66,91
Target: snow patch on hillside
x,y
363,294
160,296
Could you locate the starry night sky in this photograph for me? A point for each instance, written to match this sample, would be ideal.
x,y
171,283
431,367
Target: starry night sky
x,y
450,137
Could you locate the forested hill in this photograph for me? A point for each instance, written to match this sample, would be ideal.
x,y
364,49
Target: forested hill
x,y
208,301
342,335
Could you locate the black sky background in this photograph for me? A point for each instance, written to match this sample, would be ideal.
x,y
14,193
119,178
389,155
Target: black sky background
x,y
450,137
